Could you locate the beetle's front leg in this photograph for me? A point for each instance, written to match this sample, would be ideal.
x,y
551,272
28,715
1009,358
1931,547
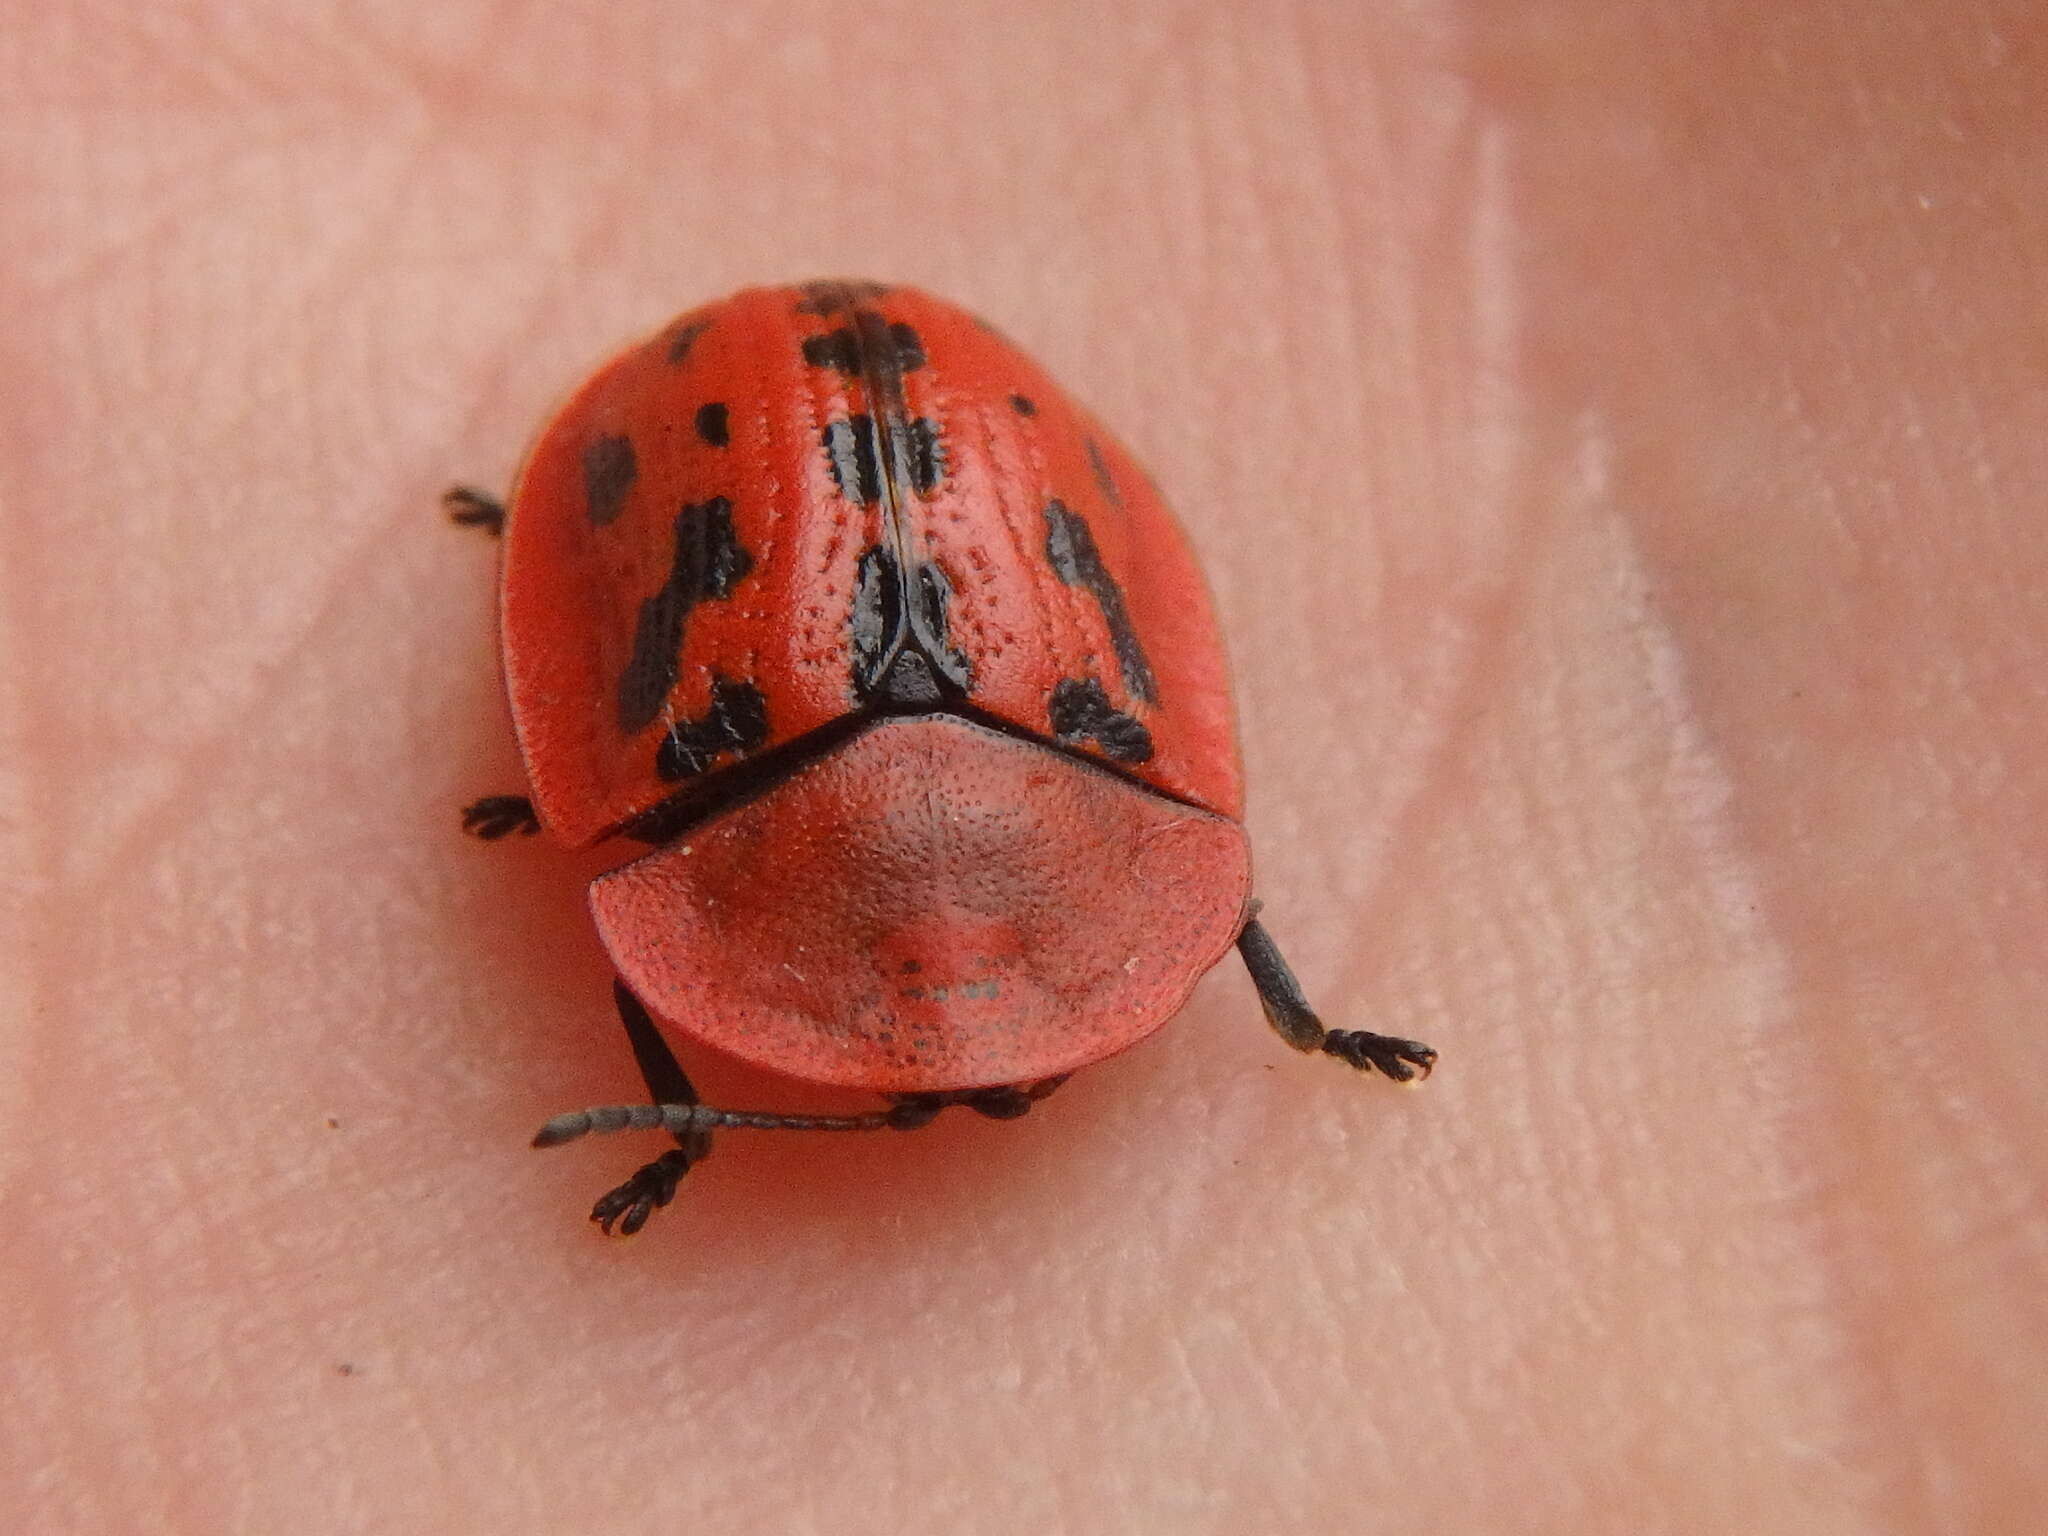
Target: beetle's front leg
x,y
474,509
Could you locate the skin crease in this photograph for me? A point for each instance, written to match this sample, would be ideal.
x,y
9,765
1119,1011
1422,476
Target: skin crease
x,y
1617,445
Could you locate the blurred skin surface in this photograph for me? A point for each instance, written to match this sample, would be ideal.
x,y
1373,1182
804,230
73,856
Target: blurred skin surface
x,y
1619,447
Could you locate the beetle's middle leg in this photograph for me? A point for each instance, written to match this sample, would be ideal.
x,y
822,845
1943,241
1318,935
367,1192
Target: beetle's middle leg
x,y
496,816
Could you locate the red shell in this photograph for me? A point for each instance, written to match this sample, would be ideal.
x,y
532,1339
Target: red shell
x,y
574,589
802,508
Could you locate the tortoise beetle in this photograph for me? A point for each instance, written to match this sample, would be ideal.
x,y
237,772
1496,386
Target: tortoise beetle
x,y
904,673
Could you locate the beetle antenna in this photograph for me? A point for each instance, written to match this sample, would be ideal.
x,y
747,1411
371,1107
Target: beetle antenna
x,y
696,1119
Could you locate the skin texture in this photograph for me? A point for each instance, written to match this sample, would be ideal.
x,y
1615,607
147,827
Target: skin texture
x,y
1617,445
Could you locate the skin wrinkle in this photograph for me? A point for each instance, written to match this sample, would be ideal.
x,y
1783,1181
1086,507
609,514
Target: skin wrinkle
x,y
1703,799
275,670
1443,735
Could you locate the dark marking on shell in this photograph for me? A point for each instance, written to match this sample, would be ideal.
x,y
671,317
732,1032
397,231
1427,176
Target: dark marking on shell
x,y
833,295
877,617
713,424
1103,477
1076,561
902,650
854,454
685,337
838,349
910,683
931,627
709,563
882,448
892,350
609,469
1022,405
927,454
737,721
1080,711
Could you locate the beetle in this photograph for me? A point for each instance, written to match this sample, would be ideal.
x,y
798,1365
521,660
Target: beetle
x,y
903,673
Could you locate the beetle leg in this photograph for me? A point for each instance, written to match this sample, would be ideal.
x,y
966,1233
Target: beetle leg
x,y
653,1185
677,1109
674,1096
1287,1010
473,509
1005,1103
497,816
494,816
666,1080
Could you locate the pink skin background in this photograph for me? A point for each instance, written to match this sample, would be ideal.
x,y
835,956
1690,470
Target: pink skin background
x,y
1619,446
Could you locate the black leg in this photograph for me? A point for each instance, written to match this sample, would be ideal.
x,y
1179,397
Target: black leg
x,y
497,816
1005,1103
667,1082
1287,1010
677,1110
653,1185
473,509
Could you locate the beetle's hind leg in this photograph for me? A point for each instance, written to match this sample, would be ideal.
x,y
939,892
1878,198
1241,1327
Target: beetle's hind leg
x,y
1005,1103
1287,1010
677,1110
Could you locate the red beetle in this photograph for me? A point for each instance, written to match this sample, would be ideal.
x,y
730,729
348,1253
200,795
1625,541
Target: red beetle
x,y
905,672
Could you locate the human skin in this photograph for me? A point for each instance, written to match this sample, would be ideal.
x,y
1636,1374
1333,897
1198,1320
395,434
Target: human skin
x,y
1618,447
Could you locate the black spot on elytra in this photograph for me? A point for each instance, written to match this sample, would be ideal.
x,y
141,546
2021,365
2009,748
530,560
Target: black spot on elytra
x,y
685,337
854,453
737,721
608,471
892,350
877,617
934,602
1077,562
830,297
709,562
903,655
1022,405
838,349
712,424
1080,711
1103,477
927,455
853,450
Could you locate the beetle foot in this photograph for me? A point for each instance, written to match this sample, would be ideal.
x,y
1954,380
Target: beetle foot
x,y
1000,1103
473,509
497,816
913,1111
1402,1060
629,1206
